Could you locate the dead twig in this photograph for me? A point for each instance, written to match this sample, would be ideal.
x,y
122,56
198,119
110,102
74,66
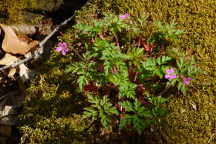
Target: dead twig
x,y
40,50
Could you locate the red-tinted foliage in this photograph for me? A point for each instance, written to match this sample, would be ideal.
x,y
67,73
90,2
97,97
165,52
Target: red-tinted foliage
x,y
91,88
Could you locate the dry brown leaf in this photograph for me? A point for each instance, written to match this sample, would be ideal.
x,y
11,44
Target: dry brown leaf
x,y
8,59
24,72
11,73
13,44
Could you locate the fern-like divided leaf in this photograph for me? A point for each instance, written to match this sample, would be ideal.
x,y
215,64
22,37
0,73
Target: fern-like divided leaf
x,y
75,68
163,60
135,56
102,109
127,89
168,30
136,115
82,81
154,67
156,102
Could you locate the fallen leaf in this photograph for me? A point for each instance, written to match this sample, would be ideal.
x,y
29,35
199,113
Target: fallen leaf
x,y
13,44
7,60
11,73
24,72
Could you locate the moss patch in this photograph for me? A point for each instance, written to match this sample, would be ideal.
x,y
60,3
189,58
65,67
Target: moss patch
x,y
19,11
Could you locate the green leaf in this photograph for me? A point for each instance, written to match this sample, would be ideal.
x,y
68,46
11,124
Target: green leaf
x,y
149,64
123,123
159,112
100,108
75,68
138,124
90,113
157,100
107,67
105,121
113,110
158,73
116,79
168,30
127,89
163,60
135,55
128,106
82,81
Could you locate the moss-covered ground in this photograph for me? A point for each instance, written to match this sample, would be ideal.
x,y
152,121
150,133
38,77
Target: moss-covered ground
x,y
192,118
52,108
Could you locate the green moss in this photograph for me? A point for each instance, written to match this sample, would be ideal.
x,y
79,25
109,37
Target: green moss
x,y
12,9
51,113
15,10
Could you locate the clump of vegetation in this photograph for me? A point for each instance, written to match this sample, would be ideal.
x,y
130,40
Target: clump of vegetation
x,y
197,19
122,73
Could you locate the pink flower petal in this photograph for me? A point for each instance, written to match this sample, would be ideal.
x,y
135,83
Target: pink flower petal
x,y
170,71
170,76
65,51
173,76
186,81
167,76
122,17
62,48
62,44
58,49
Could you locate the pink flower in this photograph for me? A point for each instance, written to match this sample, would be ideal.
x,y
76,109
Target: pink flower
x,y
122,17
62,48
170,74
167,76
186,80
170,71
